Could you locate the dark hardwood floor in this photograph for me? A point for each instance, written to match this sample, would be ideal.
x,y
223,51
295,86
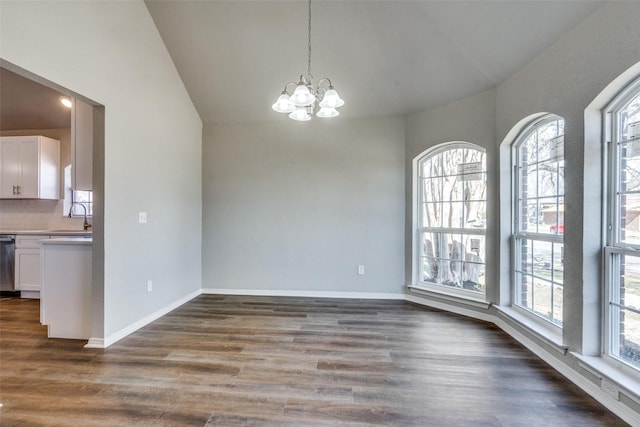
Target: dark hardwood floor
x,y
258,361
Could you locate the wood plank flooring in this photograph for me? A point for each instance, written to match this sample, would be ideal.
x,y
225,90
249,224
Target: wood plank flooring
x,y
267,361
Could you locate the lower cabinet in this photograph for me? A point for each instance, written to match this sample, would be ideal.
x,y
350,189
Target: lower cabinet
x,y
66,296
27,268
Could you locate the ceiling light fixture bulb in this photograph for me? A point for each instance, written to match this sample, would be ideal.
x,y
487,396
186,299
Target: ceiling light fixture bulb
x,y
302,96
66,102
327,112
301,115
284,104
331,99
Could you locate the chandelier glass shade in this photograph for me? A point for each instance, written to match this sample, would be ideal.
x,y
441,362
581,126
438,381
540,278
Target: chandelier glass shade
x,y
307,98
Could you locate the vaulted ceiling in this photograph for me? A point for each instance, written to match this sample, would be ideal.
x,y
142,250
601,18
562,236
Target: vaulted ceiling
x,y
384,57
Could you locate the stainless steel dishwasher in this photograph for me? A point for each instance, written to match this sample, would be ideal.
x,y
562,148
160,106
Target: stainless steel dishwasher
x,y
7,261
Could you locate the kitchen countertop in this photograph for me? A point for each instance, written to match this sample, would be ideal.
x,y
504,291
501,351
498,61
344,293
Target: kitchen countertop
x,y
80,240
79,233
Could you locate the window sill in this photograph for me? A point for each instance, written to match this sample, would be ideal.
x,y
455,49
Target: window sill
x,y
460,297
550,334
629,384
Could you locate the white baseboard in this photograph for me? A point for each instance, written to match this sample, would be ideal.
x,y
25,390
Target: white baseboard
x,y
450,308
95,343
117,336
306,294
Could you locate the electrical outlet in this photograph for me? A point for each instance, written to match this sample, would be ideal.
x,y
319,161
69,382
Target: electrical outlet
x,y
610,388
361,269
149,286
142,217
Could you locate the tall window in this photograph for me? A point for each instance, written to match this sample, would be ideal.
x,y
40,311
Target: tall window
x,y
539,219
451,217
622,252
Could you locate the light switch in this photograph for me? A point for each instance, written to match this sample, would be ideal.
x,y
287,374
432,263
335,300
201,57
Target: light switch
x,y
142,217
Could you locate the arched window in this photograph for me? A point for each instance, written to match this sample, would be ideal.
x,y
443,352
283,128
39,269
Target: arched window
x,y
538,213
451,216
622,250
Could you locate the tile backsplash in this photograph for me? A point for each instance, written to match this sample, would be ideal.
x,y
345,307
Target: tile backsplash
x,y
35,215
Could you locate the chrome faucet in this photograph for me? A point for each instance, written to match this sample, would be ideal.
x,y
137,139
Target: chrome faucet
x,y
86,224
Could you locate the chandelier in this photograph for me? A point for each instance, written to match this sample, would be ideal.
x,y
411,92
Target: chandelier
x,y
301,104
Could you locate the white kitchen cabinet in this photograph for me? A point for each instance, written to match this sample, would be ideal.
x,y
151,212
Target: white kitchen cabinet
x,y
82,146
29,167
27,267
65,305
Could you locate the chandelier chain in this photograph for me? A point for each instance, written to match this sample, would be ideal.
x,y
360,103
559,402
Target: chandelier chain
x,y
309,63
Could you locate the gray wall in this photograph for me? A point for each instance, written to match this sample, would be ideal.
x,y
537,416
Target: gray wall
x,y
295,207
111,53
564,80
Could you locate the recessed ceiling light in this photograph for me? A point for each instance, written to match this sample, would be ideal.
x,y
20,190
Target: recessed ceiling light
x,y
66,102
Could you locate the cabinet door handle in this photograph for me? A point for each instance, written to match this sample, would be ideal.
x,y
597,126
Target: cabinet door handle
x,y
19,190
14,190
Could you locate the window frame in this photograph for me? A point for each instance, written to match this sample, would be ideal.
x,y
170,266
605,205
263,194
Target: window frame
x,y
418,229
87,204
517,234
614,246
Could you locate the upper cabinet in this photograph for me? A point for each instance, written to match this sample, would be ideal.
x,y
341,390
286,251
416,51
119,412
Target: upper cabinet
x,y
29,167
82,146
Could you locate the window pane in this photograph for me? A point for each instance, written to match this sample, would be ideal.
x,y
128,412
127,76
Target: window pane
x,y
453,214
629,339
629,198
534,221
528,152
449,185
630,166
542,297
457,190
473,266
625,323
450,161
431,188
629,218
539,278
529,182
629,119
82,200
429,270
426,167
557,263
454,260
